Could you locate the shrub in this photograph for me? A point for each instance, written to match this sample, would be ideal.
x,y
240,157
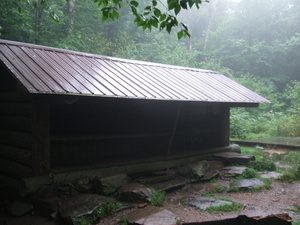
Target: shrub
x,y
158,198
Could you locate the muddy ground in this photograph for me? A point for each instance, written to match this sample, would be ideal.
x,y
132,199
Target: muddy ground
x,y
279,199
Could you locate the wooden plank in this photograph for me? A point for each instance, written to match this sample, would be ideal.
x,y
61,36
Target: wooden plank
x,y
14,169
15,123
18,109
9,97
40,135
18,155
104,137
20,139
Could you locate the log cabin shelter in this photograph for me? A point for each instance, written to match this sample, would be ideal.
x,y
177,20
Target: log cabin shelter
x,y
63,110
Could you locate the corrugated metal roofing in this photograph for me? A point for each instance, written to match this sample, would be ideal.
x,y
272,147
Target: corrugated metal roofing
x,y
56,71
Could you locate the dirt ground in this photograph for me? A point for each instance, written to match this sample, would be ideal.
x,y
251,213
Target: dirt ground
x,y
279,199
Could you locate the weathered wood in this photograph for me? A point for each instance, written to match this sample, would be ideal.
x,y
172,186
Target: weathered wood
x,y
8,181
19,155
225,125
40,135
103,137
21,109
9,97
16,123
20,139
31,185
14,169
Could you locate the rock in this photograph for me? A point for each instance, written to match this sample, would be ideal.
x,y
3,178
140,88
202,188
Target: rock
x,y
248,183
210,174
152,216
111,184
81,205
156,179
232,171
215,164
233,157
271,174
170,185
235,148
195,170
204,202
20,208
83,185
136,192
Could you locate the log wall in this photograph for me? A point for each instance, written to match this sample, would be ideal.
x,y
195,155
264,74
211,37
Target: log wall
x,y
15,131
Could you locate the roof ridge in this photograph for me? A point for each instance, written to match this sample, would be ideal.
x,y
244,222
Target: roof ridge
x,y
112,58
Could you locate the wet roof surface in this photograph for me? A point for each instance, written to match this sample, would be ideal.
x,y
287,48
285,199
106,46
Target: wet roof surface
x,y
49,70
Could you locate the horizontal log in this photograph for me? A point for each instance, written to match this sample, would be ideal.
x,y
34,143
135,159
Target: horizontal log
x,y
8,181
19,109
18,155
23,140
31,185
103,137
15,123
14,169
9,97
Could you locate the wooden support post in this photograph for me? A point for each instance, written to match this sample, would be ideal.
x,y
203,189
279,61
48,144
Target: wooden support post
x,y
225,124
40,137
174,130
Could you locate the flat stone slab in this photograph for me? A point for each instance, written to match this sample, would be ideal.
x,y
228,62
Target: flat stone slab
x,y
204,202
152,216
232,171
230,157
113,183
83,204
248,183
170,185
136,192
195,171
271,174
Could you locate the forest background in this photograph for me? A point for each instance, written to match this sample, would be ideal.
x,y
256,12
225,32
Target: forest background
x,y
256,43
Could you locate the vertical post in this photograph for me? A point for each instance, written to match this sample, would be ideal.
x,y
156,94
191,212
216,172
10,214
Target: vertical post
x,y
40,136
225,124
174,129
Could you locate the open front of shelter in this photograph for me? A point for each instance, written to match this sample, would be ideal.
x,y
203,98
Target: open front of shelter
x,y
63,111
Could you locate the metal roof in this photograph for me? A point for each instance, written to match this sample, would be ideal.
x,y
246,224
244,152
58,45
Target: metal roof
x,y
48,70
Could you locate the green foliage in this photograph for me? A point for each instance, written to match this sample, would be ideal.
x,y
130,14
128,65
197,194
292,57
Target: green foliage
x,y
296,222
123,220
263,165
158,198
226,208
102,211
250,173
233,189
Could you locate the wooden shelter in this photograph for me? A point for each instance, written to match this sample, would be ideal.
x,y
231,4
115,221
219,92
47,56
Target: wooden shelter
x,y
64,111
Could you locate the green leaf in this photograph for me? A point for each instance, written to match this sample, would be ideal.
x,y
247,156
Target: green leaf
x,y
177,9
134,3
157,12
154,3
183,4
179,35
163,17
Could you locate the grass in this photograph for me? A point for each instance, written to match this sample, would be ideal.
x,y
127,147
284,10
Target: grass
x,y
296,222
102,211
226,208
158,198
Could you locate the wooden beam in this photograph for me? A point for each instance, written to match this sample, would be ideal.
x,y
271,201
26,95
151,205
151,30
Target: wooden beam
x,y
40,137
16,123
14,97
13,138
225,124
14,169
19,155
22,109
